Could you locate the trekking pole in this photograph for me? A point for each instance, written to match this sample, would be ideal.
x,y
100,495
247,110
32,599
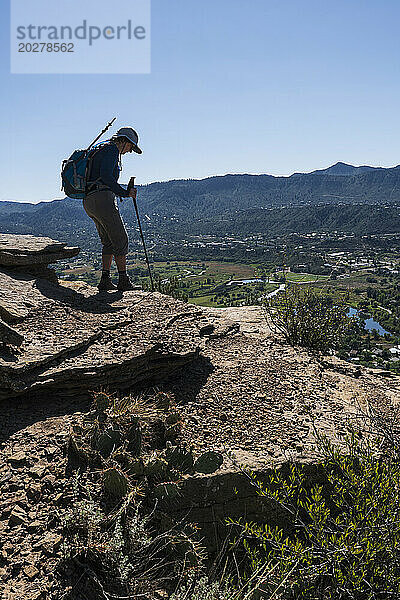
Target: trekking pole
x,y
131,185
100,134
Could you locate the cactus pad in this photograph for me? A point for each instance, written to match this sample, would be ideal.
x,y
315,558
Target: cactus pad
x,y
156,467
209,462
172,431
168,490
173,418
115,482
179,458
108,441
134,437
102,401
135,468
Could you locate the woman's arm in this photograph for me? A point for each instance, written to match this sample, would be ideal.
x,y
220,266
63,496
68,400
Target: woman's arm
x,y
109,161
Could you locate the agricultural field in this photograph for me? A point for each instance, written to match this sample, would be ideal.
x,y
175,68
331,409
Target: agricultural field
x,y
301,277
209,283
197,272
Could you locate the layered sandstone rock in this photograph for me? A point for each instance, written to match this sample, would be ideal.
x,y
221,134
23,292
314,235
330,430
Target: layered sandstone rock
x,y
8,335
74,342
28,250
73,339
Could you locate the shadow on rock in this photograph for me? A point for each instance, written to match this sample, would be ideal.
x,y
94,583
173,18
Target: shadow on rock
x,y
19,413
98,304
8,353
186,385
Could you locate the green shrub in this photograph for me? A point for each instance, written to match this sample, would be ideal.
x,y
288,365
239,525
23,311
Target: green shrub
x,y
342,536
309,319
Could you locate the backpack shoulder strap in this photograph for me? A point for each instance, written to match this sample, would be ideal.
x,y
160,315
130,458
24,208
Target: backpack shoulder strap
x,y
90,158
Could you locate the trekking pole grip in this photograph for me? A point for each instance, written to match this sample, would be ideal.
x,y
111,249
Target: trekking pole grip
x,y
131,184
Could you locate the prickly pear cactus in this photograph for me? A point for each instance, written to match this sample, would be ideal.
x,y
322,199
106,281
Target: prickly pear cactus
x,y
179,458
79,454
163,400
155,467
108,441
102,401
209,462
134,437
169,490
132,466
172,432
135,468
115,482
173,418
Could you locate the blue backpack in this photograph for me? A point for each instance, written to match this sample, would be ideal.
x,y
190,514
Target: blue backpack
x,y
75,170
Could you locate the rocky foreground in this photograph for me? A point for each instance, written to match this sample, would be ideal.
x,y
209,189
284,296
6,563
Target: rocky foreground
x,y
238,386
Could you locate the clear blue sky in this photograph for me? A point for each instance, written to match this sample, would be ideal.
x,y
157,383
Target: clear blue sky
x,y
237,86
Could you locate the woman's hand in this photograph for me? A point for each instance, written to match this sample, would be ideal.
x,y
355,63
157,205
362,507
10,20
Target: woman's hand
x,y
133,193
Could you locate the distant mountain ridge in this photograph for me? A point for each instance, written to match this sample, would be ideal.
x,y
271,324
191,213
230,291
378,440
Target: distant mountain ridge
x,y
8,206
344,169
344,181
236,201
338,184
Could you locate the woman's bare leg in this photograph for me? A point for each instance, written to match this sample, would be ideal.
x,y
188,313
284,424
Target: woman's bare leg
x,y
121,263
107,260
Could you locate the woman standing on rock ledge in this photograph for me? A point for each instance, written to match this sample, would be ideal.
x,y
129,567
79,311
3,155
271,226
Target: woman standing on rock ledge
x,y
100,204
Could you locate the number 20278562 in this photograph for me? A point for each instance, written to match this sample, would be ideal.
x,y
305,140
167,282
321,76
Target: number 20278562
x,y
45,47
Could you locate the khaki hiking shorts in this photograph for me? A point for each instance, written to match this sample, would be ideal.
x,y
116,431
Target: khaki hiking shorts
x,y
102,208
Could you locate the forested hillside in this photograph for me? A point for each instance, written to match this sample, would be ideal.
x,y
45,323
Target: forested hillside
x,y
359,200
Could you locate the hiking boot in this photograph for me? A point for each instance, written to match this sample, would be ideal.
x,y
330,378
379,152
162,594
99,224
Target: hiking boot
x,y
105,284
125,284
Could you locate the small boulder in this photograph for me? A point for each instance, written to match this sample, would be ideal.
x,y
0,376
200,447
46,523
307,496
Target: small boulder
x,y
17,517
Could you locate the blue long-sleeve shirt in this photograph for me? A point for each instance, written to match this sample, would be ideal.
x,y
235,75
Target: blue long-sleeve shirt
x,y
104,167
